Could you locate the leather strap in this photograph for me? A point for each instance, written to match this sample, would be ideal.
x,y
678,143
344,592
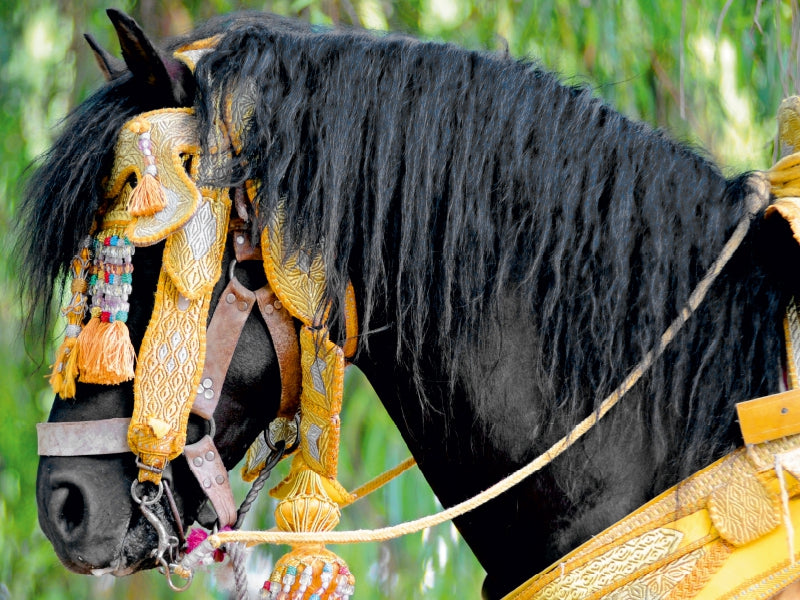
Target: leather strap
x,y
769,418
206,464
222,336
285,341
83,438
242,247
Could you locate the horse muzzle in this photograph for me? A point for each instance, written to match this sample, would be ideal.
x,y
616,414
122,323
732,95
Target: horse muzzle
x,y
87,512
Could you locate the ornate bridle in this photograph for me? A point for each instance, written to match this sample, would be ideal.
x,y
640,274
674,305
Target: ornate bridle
x,y
154,196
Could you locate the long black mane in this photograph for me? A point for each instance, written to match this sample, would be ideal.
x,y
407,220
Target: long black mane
x,y
447,182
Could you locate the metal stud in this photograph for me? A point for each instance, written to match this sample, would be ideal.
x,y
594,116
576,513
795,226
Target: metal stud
x,y
197,461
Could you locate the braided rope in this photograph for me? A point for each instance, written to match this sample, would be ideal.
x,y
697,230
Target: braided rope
x,y
237,553
755,203
274,458
792,331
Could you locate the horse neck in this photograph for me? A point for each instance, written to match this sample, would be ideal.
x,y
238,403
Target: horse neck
x,y
501,406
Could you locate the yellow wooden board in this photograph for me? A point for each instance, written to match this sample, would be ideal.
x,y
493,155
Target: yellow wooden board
x,y
770,417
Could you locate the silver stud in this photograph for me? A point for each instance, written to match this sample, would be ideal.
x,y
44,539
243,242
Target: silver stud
x,y
230,298
206,483
197,461
209,455
207,383
220,479
240,239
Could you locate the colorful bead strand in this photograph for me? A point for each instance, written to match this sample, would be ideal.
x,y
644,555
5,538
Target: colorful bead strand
x,y
107,355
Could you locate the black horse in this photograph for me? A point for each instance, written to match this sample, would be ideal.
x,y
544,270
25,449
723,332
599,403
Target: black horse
x,y
515,245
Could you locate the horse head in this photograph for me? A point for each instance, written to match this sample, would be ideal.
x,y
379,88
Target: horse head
x,y
86,506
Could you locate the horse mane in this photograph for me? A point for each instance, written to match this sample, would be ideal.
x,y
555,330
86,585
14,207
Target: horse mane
x,y
449,180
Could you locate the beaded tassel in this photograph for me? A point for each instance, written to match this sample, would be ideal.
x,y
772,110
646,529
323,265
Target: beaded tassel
x,y
65,367
309,574
147,198
107,355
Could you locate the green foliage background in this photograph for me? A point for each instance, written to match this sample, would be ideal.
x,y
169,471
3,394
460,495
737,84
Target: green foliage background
x,y
713,73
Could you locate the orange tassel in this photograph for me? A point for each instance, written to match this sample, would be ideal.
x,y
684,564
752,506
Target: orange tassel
x,y
107,355
147,198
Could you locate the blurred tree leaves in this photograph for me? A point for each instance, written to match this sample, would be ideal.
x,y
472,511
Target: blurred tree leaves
x,y
712,73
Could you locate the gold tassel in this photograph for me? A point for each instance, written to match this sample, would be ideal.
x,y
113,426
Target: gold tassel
x,y
107,355
147,198
65,367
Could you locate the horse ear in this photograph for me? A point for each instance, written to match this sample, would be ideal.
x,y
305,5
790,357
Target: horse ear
x,y
110,66
168,78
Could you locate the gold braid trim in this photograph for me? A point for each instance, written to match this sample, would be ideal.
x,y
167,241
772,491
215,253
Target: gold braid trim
x,y
714,557
676,546
166,377
310,496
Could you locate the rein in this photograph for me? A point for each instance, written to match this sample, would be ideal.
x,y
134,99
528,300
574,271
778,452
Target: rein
x,y
757,201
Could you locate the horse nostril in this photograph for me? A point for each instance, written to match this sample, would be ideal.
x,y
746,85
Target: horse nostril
x,y
69,508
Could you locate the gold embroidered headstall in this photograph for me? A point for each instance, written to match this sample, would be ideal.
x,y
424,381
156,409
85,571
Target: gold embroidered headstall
x,y
153,198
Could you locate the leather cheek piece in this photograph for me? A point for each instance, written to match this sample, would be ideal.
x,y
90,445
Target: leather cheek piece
x,y
285,341
206,464
223,333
